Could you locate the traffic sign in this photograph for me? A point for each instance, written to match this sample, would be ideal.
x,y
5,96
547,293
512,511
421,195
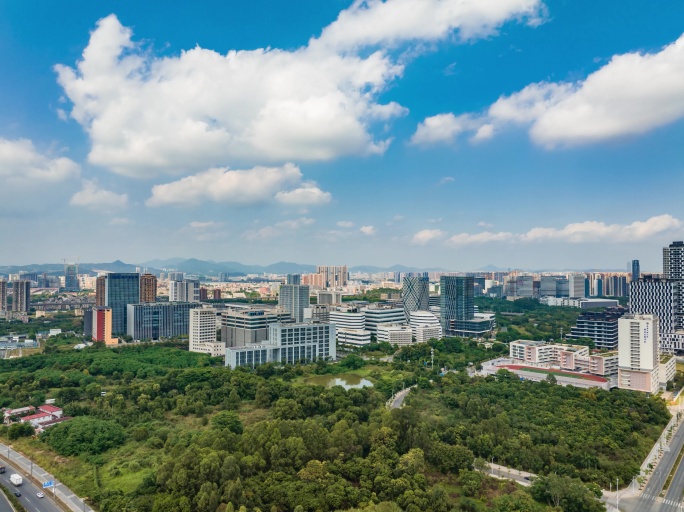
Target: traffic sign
x,y
49,483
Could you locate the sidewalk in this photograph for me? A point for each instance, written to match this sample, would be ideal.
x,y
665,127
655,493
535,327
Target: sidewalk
x,y
65,495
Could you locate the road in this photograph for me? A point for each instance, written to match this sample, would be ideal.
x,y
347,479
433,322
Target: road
x,y
4,504
28,492
648,499
398,400
64,494
521,477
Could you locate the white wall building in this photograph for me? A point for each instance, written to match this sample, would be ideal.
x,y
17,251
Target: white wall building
x,y
202,335
184,291
378,314
576,285
425,326
356,337
639,354
395,334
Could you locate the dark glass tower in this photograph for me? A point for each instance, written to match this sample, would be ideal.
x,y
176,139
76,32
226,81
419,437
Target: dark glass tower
x,y
121,290
457,302
636,271
415,293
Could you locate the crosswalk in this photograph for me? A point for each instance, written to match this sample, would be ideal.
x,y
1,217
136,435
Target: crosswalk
x,y
658,499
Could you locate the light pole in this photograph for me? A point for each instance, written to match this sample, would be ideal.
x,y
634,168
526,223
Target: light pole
x,y
492,466
617,492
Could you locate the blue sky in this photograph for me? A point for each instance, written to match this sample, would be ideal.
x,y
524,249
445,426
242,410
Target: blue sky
x,y
518,133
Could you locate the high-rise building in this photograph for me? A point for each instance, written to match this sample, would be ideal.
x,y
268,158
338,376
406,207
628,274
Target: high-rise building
x,y
673,261
548,286
21,296
636,270
148,288
335,276
121,289
71,283
576,285
415,293
102,326
216,294
328,297
101,291
293,279
176,276
156,320
638,353
204,294
222,277
457,302
202,336
652,295
562,287
294,298
187,290
3,295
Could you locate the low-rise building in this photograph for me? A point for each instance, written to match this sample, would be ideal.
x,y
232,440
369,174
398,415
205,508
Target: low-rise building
x,y
395,334
355,337
564,357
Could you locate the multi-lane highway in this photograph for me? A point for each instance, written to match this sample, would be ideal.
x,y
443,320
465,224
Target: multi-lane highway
x,y
648,501
29,492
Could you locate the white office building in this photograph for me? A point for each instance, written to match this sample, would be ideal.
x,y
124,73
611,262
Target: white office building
x,y
576,285
202,335
184,291
354,337
395,334
638,353
287,344
378,314
425,326
348,318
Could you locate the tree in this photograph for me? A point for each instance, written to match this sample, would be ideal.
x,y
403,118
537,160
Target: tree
x,y
227,420
17,430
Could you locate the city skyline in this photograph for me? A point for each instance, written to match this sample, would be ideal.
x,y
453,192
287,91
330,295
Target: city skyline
x,y
446,138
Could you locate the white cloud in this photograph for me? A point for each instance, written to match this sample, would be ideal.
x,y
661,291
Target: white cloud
x,y
593,231
345,224
121,221
392,22
93,197
579,232
278,229
177,114
480,238
426,235
239,187
398,218
367,230
307,194
201,225
149,115
484,224
205,231
436,220
22,164
632,94
441,129
446,179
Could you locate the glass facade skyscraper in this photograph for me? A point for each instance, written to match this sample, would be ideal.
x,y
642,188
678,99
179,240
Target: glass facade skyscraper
x,y
121,289
415,294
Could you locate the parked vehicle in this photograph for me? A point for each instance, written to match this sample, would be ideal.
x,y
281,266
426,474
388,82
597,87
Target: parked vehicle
x,y
16,479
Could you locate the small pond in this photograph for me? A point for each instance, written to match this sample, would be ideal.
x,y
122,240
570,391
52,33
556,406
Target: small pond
x,y
346,380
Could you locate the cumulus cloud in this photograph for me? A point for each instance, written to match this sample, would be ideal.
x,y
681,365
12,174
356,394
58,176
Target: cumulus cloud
x,y
278,229
484,224
426,235
22,164
307,194
578,232
367,230
238,187
205,231
93,197
393,22
146,114
345,224
632,94
480,238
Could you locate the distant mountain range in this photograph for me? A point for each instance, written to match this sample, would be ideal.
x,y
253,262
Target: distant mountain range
x,y
234,268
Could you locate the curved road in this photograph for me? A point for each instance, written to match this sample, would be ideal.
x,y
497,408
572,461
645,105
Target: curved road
x,y
5,504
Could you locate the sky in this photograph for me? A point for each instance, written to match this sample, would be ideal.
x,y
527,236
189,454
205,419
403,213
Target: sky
x,y
431,133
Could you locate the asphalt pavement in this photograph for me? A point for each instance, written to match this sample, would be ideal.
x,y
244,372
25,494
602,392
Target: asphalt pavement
x,y
4,503
648,501
28,491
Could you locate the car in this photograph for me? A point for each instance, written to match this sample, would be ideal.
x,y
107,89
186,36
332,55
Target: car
x,y
527,478
17,494
40,495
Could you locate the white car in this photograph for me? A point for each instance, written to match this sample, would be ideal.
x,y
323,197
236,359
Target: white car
x,y
40,495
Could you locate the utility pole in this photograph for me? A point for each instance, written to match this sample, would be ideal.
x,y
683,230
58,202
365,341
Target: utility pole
x,y
617,491
432,358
